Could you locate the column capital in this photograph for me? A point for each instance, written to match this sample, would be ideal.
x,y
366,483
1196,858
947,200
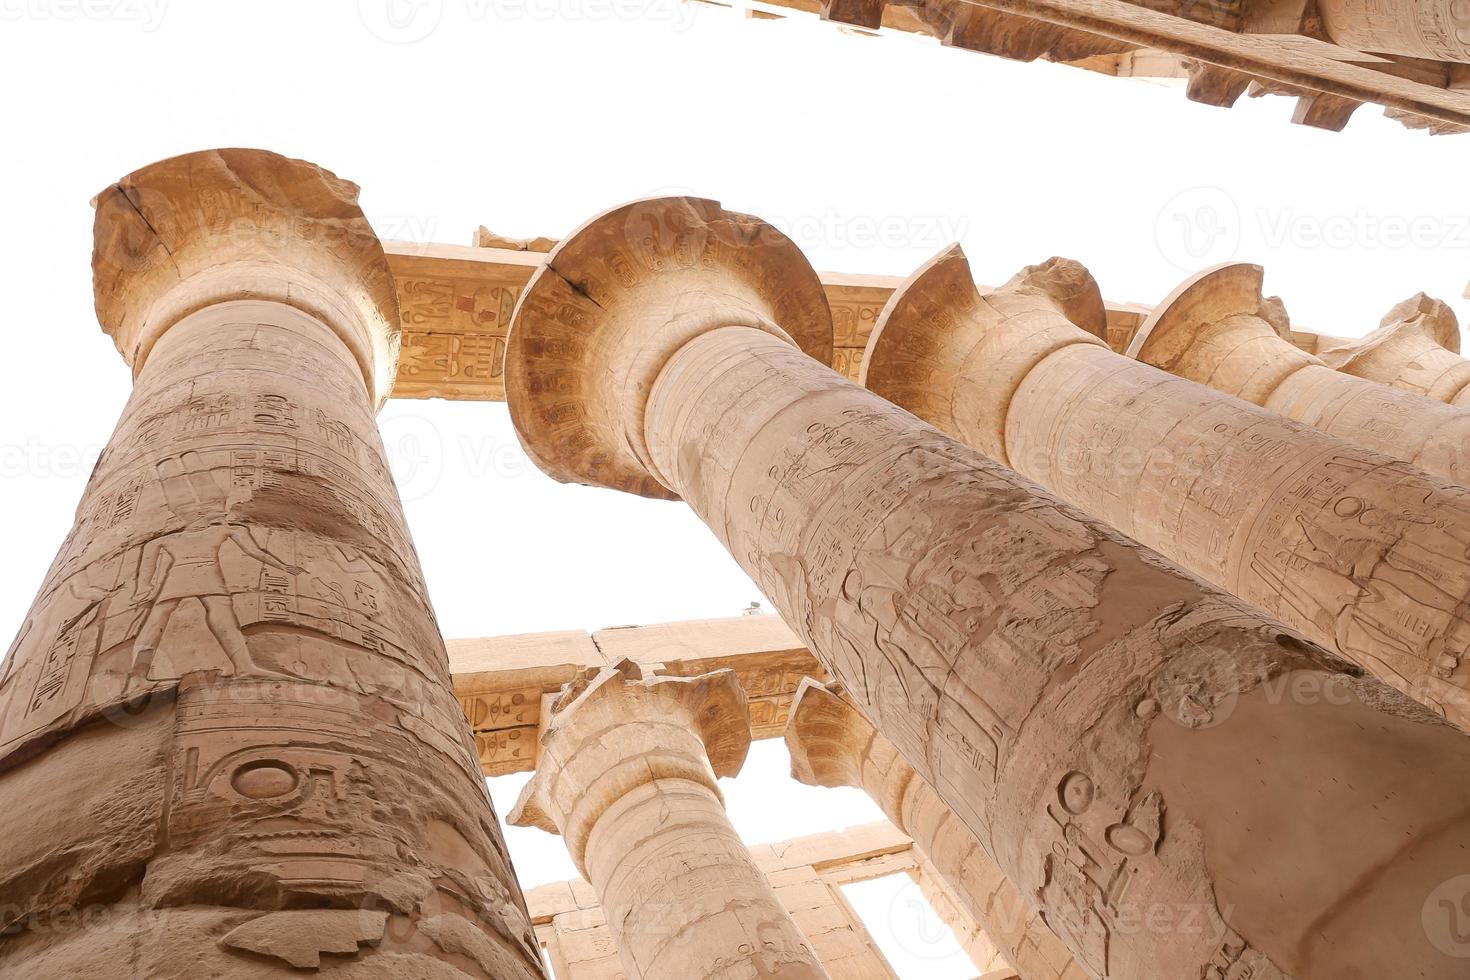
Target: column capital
x,y
612,304
612,730
1417,324
205,228
827,736
1185,334
938,333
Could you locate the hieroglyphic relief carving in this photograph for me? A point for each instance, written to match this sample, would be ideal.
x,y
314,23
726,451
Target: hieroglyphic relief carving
x,y
1437,30
627,777
240,593
832,744
1000,639
1362,553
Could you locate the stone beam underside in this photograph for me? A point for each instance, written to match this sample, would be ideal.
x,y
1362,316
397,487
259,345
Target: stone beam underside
x,y
501,681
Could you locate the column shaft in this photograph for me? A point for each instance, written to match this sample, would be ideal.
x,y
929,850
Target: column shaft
x,y
1060,687
626,778
832,744
1360,552
1438,30
229,713
1210,330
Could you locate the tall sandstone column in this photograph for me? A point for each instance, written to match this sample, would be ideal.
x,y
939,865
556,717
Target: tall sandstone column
x,y
1217,329
832,744
1362,553
627,776
228,743
1118,735
1416,347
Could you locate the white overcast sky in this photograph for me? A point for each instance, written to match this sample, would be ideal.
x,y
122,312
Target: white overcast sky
x,y
531,115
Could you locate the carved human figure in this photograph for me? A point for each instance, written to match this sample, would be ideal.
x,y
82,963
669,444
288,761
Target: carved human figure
x,y
627,777
832,744
230,713
1348,546
1060,687
186,565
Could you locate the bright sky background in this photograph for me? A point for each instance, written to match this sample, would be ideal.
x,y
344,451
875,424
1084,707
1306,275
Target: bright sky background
x,y
531,115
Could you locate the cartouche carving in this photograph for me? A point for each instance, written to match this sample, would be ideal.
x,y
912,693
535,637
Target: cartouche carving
x,y
1360,552
627,776
229,710
1001,640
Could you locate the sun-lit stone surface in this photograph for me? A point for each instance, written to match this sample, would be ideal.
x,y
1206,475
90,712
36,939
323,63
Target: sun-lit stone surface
x,y
1060,687
228,742
1361,552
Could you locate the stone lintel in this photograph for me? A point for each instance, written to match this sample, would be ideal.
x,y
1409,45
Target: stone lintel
x,y
456,302
500,681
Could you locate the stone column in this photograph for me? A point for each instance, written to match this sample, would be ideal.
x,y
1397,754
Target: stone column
x,y
1362,553
627,777
227,734
1217,329
832,744
1060,687
1416,348
1438,30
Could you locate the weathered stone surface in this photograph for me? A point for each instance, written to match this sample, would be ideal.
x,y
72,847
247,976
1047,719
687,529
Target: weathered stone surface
x,y
1354,549
1218,330
229,713
1059,686
1436,30
806,874
832,744
1416,348
627,776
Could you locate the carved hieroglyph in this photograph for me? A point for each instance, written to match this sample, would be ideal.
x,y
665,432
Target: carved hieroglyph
x,y
627,777
1061,688
832,744
227,732
1361,552
1437,30
1217,329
